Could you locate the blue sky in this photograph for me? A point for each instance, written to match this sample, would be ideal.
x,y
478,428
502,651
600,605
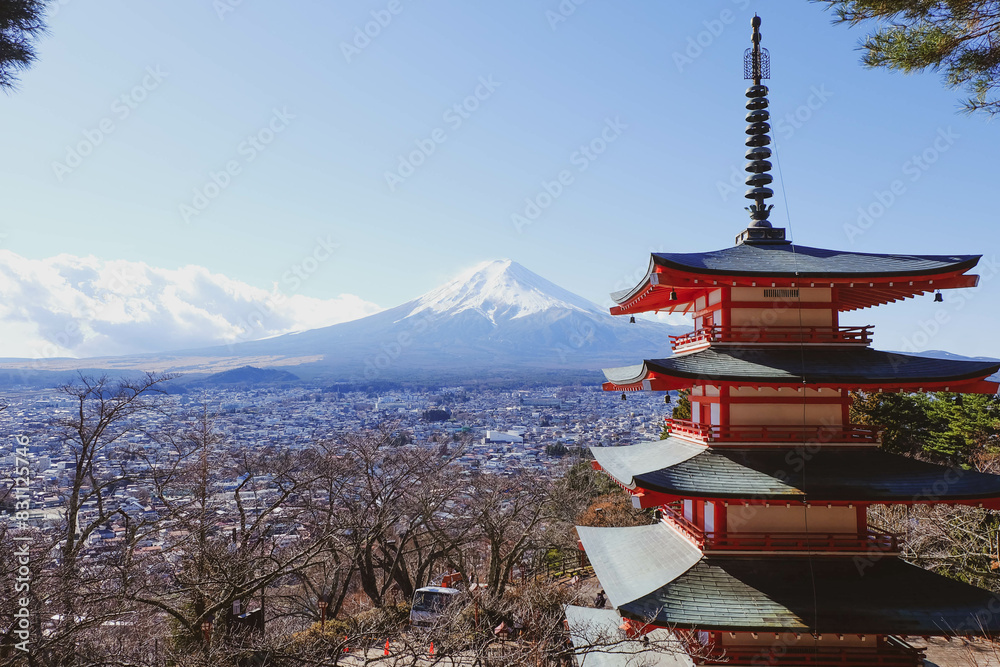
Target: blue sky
x,y
279,147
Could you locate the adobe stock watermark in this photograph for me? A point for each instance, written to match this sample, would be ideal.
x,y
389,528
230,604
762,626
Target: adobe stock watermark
x,y
913,168
62,342
580,336
121,108
21,488
784,128
714,28
247,151
562,12
225,7
454,117
929,328
292,280
55,6
363,35
581,159
392,350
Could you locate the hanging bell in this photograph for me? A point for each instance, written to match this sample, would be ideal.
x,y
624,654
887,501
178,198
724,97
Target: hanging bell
x,y
631,320
624,397
938,298
673,295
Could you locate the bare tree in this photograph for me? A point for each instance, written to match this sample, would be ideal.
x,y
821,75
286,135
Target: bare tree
x,y
380,499
508,512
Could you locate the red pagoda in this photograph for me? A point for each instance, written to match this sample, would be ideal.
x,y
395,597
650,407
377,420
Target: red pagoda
x,y
764,554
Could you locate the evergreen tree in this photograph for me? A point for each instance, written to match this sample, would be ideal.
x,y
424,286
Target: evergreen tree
x,y
21,22
960,38
957,429
683,408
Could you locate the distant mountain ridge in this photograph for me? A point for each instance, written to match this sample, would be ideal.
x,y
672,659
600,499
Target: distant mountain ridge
x,y
496,320
250,375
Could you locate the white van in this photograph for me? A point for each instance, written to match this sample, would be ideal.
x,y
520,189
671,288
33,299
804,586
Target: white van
x,y
429,604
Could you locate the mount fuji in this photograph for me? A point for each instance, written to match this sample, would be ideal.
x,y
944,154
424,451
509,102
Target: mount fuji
x,y
498,320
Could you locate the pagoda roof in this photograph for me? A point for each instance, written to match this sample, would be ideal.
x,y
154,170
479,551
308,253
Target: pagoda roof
x,y
805,262
861,279
851,368
778,593
807,474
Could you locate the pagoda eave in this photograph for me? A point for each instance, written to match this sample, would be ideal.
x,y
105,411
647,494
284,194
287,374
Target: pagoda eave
x,y
663,471
675,289
657,382
684,588
861,369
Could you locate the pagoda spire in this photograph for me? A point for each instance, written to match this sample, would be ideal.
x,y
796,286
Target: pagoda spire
x,y
757,67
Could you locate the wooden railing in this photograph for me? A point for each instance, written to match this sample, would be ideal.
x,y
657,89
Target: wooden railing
x,y
820,657
867,542
819,433
834,542
677,520
797,335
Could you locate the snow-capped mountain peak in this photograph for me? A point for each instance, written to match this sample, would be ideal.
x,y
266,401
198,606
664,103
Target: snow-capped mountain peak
x,y
500,290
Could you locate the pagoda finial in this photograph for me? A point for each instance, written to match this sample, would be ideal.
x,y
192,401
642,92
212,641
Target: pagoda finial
x,y
757,67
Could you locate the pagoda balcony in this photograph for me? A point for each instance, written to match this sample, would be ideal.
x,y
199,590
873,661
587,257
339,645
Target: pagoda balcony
x,y
892,654
773,433
702,338
868,542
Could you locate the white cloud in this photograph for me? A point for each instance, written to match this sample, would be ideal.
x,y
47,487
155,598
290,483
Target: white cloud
x,y
84,306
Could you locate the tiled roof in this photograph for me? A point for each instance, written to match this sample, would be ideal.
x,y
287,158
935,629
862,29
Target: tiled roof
x,y
803,261
831,595
623,463
791,473
816,365
824,595
632,562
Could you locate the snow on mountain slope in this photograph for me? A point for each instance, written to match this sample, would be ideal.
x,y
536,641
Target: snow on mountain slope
x,y
498,316
497,319
500,290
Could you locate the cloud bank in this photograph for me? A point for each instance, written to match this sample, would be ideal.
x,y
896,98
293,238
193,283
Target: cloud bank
x,y
85,306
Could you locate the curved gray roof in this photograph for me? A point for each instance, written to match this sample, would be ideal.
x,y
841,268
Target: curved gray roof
x,y
817,365
632,562
806,262
785,593
803,473
623,463
821,595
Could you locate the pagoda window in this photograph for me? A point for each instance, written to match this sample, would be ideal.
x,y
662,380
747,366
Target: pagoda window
x,y
781,315
715,412
709,516
795,519
689,510
790,297
826,414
